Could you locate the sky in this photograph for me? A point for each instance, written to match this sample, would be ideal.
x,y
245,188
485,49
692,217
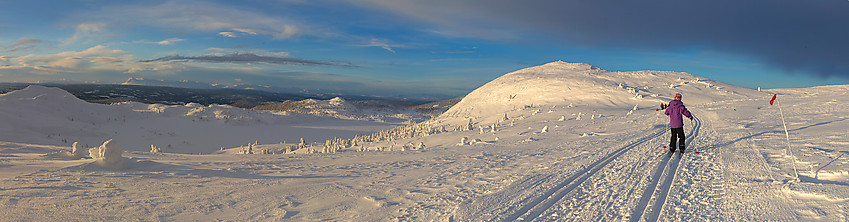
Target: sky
x,y
435,49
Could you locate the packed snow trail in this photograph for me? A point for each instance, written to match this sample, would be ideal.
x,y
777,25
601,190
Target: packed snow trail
x,y
665,171
545,201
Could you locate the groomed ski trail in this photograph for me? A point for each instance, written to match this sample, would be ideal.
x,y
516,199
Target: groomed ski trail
x,y
665,171
533,209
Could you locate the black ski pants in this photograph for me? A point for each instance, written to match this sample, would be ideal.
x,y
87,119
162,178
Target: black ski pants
x,y
677,134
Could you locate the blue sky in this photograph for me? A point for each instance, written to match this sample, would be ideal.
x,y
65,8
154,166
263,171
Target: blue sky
x,y
418,49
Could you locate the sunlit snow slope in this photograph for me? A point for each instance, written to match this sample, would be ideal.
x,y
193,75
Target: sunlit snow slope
x,y
562,83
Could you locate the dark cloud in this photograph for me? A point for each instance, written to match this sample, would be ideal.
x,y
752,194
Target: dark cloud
x,y
247,58
810,36
23,44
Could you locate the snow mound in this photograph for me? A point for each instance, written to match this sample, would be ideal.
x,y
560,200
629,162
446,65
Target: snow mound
x,y
578,84
332,107
40,95
108,154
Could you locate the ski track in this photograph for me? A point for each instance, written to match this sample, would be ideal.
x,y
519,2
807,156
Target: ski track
x,y
666,172
533,209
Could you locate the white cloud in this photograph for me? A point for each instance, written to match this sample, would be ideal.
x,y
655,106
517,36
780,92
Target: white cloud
x,y
97,58
229,34
86,31
288,31
170,41
241,31
382,43
246,31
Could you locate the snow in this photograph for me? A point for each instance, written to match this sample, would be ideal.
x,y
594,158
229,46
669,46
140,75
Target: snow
x,y
46,115
108,155
607,166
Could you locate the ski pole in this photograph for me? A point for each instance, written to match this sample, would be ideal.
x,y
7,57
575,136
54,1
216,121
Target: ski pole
x,y
692,122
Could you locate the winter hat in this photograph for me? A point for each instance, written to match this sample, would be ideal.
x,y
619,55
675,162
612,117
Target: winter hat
x,y
677,96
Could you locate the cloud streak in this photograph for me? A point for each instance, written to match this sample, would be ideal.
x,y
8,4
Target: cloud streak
x,y
246,58
382,43
200,16
794,35
23,44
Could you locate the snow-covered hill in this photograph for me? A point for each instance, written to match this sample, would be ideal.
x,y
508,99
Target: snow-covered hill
x,y
46,115
584,85
556,142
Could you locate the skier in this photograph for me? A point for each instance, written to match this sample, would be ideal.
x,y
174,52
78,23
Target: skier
x,y
674,110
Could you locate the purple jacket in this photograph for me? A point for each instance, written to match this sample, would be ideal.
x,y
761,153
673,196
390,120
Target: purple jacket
x,y
674,111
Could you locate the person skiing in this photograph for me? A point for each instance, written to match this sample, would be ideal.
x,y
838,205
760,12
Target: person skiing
x,y
674,110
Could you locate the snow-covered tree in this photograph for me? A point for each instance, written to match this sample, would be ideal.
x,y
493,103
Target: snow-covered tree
x,y
77,150
108,154
463,141
155,149
303,143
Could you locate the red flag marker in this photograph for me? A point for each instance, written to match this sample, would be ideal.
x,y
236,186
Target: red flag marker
x,y
697,152
773,99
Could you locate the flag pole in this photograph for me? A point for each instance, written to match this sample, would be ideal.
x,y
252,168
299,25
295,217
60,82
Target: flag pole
x,y
787,135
